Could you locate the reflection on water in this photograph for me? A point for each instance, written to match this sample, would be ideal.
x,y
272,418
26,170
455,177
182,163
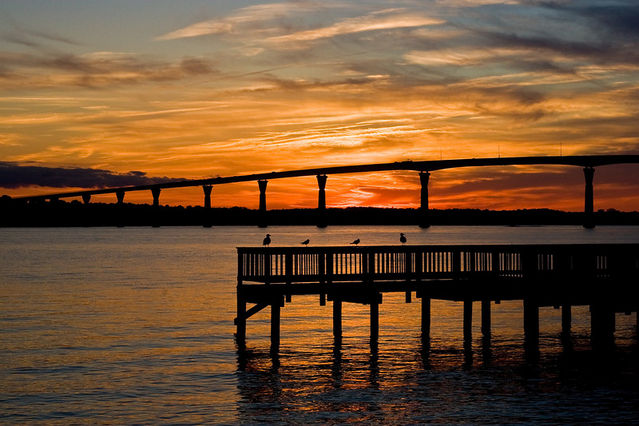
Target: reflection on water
x,y
134,325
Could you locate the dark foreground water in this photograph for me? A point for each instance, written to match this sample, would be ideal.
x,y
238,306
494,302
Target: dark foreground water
x,y
135,325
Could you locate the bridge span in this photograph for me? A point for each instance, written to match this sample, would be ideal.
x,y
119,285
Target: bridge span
x,y
424,168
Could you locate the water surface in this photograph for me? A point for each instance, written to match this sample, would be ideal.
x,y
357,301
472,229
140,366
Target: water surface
x,y
135,325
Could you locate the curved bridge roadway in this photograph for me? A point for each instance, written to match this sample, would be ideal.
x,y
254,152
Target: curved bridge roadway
x,y
588,162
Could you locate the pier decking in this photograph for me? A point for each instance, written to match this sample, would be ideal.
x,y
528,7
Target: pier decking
x,y
603,276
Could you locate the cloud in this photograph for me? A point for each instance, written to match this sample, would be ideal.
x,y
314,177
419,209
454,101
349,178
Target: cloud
x,y
13,175
242,17
382,20
95,69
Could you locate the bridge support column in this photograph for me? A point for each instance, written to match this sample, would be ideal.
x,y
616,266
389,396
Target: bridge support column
x,y
374,318
566,319
156,196
425,318
468,322
207,195
589,220
275,325
262,208
485,318
86,198
337,319
119,194
321,201
602,326
155,222
531,324
424,220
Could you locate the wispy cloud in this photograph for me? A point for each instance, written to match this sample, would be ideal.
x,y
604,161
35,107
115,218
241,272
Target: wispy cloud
x,y
242,17
382,20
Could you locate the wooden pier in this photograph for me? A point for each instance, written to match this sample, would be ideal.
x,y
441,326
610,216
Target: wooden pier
x,y
603,276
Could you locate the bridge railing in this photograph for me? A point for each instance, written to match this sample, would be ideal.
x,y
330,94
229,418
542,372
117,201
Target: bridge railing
x,y
379,263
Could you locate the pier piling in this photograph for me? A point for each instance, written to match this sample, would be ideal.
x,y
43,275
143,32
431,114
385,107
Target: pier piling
x,y
485,318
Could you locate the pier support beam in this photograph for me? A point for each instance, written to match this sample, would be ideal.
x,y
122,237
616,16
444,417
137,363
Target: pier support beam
x,y
424,220
531,324
425,318
240,320
262,208
589,220
468,322
374,318
156,196
337,319
321,201
86,198
207,195
566,319
275,326
602,326
485,318
120,196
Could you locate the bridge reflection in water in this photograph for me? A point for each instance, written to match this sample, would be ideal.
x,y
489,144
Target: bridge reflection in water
x,y
603,276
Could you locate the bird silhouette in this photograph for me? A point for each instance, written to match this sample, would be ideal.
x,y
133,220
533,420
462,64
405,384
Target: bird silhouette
x,y
305,242
356,242
402,238
267,240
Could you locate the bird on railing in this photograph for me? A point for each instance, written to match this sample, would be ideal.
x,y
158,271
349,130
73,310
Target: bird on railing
x,y
356,242
267,240
305,242
402,238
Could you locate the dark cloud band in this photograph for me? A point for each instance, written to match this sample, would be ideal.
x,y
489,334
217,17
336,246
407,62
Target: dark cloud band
x,y
13,175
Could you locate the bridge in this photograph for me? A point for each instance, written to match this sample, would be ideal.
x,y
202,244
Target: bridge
x,y
603,276
424,168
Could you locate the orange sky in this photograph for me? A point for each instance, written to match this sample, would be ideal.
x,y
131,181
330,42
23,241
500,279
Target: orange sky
x,y
225,88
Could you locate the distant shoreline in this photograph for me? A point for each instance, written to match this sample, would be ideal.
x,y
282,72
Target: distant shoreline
x,y
97,214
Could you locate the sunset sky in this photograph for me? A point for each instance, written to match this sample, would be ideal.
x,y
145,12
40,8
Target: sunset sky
x,y
194,89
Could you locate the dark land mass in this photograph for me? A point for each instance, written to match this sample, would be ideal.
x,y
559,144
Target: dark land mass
x,y
74,213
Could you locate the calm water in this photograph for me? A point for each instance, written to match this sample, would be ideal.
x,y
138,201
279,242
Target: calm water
x,y
135,325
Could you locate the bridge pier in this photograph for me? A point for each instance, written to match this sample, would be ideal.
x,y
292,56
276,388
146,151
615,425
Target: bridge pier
x,y
155,221
156,196
424,220
263,223
321,201
207,195
86,198
589,220
207,206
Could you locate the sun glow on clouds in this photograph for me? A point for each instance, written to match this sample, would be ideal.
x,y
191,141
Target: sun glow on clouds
x,y
289,85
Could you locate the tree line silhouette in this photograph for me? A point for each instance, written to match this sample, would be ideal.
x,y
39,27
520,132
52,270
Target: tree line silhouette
x,y
75,213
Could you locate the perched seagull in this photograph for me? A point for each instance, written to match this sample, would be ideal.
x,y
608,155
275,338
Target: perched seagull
x,y
402,238
267,240
305,242
356,242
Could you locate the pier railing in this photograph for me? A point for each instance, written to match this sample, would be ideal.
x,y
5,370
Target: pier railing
x,y
414,263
